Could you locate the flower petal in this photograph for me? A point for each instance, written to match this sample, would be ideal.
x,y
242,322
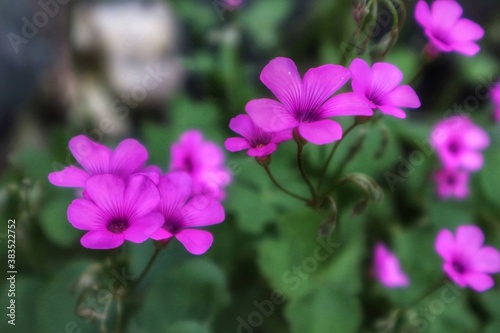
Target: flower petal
x,y
320,83
480,282
361,76
142,228
128,156
70,176
195,241
243,125
472,160
202,211
423,14
106,191
141,196
92,156
466,30
469,239
466,48
392,111
101,240
283,79
236,144
161,234
385,78
476,138
346,104
445,244
445,14
281,136
175,189
270,115
262,151
321,132
402,96
85,215
487,260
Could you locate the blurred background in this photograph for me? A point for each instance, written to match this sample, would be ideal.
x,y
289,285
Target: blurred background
x,y
153,69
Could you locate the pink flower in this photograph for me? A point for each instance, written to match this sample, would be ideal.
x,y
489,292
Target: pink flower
x,y
466,260
388,269
128,158
203,161
117,211
458,143
258,142
452,183
305,105
380,87
495,95
233,3
445,28
183,212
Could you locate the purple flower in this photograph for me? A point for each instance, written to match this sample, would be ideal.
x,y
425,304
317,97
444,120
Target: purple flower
x,y
445,28
466,260
233,3
388,269
128,158
380,87
452,183
183,212
458,143
305,105
495,96
116,211
258,142
203,161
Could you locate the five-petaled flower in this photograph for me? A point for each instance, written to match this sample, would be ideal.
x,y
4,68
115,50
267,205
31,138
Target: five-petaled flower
x,y
183,212
96,159
305,104
258,142
445,28
452,183
203,161
116,210
380,87
466,261
387,268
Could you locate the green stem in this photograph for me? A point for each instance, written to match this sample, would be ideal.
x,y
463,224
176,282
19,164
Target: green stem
x,y
148,266
279,186
300,163
332,152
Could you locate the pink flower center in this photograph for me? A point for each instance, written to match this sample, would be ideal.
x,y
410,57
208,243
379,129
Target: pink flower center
x,y
454,147
459,266
451,180
118,225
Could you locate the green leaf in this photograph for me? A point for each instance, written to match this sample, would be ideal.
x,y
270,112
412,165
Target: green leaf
x,y
54,222
195,291
324,310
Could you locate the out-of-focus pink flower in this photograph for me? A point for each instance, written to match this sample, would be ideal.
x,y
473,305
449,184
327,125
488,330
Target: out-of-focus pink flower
x,y
380,87
305,104
388,269
203,161
466,260
258,142
452,183
445,28
233,3
128,158
495,96
116,210
459,143
183,213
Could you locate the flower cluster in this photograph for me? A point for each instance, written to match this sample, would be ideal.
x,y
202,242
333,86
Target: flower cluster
x,y
458,143
124,199
466,261
305,105
446,29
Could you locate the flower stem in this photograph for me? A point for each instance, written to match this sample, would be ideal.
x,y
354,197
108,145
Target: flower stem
x,y
300,163
332,152
279,186
148,266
